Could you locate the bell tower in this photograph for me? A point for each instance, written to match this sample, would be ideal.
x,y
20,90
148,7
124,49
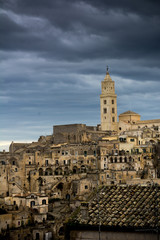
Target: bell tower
x,y
108,102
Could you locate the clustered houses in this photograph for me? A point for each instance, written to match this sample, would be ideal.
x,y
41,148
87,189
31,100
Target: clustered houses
x,y
43,182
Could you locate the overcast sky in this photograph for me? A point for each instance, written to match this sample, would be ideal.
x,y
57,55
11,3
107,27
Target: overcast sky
x,y
53,57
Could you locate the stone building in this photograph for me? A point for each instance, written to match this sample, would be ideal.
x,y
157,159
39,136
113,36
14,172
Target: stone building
x,y
48,179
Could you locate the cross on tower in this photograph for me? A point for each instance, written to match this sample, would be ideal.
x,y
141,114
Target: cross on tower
x,y
107,68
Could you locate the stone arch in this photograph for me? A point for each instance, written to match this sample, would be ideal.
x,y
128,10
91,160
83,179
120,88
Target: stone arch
x,y
48,172
66,171
75,170
40,172
60,186
58,171
61,231
83,169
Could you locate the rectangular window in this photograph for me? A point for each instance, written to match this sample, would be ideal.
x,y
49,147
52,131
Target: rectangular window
x,y
113,119
85,153
105,101
132,140
112,101
104,110
112,110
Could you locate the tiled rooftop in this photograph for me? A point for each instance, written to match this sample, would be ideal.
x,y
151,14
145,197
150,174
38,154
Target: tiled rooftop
x,y
128,206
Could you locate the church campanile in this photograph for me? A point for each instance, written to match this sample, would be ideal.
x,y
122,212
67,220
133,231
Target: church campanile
x,y
108,102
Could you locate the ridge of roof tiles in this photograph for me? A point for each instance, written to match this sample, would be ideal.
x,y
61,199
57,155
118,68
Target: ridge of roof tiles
x,y
125,206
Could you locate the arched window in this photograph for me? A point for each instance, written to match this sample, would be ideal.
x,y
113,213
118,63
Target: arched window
x,y
48,172
40,172
83,169
32,203
44,202
111,159
66,171
120,159
75,170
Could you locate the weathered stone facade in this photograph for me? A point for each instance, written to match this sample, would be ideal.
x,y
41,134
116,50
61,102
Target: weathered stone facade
x,y
43,182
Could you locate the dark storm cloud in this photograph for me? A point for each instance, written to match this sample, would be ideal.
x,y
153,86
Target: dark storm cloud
x,y
86,29
53,56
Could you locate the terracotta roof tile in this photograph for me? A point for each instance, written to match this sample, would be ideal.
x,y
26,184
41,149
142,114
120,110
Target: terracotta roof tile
x,y
130,206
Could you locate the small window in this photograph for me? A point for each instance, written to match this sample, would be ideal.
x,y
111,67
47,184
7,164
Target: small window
x,y
132,140
105,110
112,101
85,153
120,128
105,101
44,201
113,119
29,163
56,161
86,187
112,110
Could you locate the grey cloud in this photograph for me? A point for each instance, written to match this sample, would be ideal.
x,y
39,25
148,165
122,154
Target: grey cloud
x,y
54,54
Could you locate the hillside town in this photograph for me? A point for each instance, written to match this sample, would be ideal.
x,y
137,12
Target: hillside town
x,y
84,180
